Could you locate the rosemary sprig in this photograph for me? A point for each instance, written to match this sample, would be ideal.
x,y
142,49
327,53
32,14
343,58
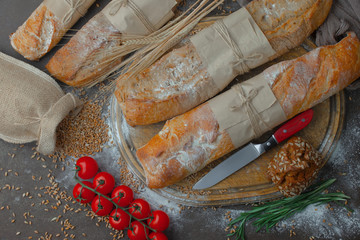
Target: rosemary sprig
x,y
269,214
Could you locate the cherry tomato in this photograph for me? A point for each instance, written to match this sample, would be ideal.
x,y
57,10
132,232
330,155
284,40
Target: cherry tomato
x,y
157,236
87,167
140,208
85,194
122,195
137,231
104,182
119,219
101,206
158,220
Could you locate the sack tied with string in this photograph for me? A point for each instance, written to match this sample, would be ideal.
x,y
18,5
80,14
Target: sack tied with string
x,y
32,105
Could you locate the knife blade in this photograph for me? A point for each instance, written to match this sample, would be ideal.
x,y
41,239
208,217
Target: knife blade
x,y
252,151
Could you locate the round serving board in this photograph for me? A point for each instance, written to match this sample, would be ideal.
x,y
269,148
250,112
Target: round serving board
x,y
249,184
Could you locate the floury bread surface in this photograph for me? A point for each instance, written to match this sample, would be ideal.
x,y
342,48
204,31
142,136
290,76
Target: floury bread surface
x,y
79,62
46,26
87,58
180,81
192,140
38,35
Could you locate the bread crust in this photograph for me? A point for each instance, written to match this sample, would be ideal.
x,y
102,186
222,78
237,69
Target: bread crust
x,y
80,61
185,144
302,83
179,80
165,98
38,35
192,140
286,24
86,59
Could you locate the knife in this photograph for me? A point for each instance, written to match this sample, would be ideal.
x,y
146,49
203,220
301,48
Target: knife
x,y
252,151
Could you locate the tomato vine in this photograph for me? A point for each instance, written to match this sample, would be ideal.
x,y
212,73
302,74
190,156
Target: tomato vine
x,y
128,213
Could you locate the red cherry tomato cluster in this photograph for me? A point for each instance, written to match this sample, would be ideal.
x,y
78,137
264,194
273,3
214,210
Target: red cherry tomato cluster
x,y
118,202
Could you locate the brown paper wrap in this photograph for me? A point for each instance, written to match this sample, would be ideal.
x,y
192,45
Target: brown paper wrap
x,y
139,17
68,11
247,110
232,46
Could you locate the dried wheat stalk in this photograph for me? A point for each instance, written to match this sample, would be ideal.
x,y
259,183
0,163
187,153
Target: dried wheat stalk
x,y
147,49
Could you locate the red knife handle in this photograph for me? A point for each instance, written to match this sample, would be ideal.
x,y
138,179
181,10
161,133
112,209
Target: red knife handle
x,y
293,125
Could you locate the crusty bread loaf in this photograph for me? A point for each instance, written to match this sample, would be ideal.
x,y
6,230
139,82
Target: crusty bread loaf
x,y
294,166
80,61
190,141
87,58
38,35
302,83
179,80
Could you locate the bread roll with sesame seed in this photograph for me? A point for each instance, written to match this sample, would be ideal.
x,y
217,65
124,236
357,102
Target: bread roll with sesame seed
x,y
294,166
192,140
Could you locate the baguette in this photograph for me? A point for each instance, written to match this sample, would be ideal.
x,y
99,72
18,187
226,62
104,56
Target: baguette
x,y
180,81
71,64
192,140
44,29
86,59
38,35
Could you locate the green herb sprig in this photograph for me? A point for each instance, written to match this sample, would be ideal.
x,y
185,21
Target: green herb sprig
x,y
269,214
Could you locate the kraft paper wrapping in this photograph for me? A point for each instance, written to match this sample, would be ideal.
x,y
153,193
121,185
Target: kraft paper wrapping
x,y
68,11
232,46
139,17
247,110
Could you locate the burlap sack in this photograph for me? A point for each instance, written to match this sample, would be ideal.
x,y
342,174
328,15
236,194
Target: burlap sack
x,y
32,104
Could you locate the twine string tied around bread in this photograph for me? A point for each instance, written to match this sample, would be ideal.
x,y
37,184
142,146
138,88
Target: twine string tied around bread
x,y
240,64
254,117
117,4
74,6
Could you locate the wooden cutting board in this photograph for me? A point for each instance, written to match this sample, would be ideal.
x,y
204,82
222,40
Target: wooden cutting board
x,y
250,184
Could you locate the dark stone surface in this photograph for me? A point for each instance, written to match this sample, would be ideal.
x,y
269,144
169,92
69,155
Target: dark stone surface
x,y
191,223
